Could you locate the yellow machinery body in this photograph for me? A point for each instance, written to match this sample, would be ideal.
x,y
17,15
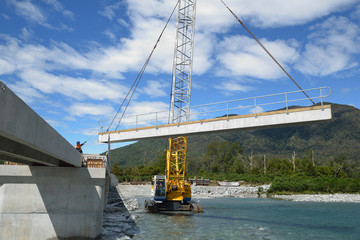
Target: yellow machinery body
x,y
177,189
172,192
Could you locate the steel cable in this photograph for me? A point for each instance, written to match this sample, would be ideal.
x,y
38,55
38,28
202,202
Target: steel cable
x,y
258,41
139,76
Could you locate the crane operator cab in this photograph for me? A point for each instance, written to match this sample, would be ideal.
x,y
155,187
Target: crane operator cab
x,y
158,188
159,201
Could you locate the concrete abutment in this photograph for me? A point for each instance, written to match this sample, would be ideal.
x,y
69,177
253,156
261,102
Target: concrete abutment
x,y
39,202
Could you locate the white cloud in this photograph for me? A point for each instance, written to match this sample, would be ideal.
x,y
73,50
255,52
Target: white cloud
x,y
69,14
242,56
25,92
6,17
35,14
55,123
356,13
131,53
109,11
55,4
156,88
146,107
331,47
27,56
111,61
122,22
276,13
76,88
142,113
232,86
33,64
6,67
29,11
110,35
212,16
147,19
150,8
91,131
238,56
203,52
83,109
26,33
144,35
148,113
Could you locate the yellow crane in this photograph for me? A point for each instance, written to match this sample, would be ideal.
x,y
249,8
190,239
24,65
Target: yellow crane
x,y
171,192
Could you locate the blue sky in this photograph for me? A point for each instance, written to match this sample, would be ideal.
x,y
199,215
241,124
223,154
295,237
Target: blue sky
x,y
73,61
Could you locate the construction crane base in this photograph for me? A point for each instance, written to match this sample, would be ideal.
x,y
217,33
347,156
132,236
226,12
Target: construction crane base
x,y
153,206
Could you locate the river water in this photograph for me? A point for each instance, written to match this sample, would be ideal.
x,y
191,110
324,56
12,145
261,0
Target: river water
x,y
252,218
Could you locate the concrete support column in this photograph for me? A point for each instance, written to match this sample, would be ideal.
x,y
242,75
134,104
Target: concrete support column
x,y
51,202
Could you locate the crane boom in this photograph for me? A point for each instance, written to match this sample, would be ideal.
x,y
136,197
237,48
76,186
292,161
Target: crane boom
x,y
182,64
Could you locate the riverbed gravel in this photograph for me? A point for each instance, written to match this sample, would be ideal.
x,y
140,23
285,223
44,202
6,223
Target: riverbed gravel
x,y
199,192
117,218
208,192
354,198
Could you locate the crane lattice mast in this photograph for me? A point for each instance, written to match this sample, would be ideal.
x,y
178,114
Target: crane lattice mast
x,y
180,100
182,65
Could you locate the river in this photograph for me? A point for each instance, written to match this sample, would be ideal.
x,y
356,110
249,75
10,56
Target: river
x,y
244,218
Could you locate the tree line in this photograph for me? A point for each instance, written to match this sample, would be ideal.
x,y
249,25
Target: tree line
x,y
228,161
228,158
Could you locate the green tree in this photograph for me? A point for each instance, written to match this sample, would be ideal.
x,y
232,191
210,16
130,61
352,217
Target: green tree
x,y
232,157
161,163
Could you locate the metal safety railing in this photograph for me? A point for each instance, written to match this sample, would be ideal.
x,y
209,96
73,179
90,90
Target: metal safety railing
x,y
251,105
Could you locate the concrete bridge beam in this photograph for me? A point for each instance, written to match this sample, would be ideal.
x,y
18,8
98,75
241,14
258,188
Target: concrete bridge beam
x,y
250,121
27,138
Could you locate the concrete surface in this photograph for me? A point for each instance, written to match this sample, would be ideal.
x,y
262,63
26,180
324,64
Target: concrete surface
x,y
251,121
27,138
38,202
113,181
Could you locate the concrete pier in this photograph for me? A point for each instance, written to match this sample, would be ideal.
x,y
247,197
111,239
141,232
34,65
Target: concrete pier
x,y
39,202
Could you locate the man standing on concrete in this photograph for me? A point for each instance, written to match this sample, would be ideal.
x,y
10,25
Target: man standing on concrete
x,y
78,146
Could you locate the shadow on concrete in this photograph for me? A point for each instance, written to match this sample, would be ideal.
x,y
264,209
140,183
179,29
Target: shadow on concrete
x,y
117,220
73,202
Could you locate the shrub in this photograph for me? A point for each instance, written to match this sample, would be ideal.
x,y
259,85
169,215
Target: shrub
x,y
314,184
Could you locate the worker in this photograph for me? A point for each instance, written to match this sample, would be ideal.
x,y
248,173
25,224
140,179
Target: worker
x,y
78,146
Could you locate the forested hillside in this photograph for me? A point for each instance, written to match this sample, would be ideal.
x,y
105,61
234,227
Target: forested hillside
x,y
322,142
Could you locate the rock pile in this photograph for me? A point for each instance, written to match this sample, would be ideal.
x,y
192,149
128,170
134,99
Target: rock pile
x,y
117,220
202,192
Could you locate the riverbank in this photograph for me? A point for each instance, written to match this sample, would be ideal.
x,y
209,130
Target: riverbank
x,y
125,217
199,192
118,219
337,197
209,192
